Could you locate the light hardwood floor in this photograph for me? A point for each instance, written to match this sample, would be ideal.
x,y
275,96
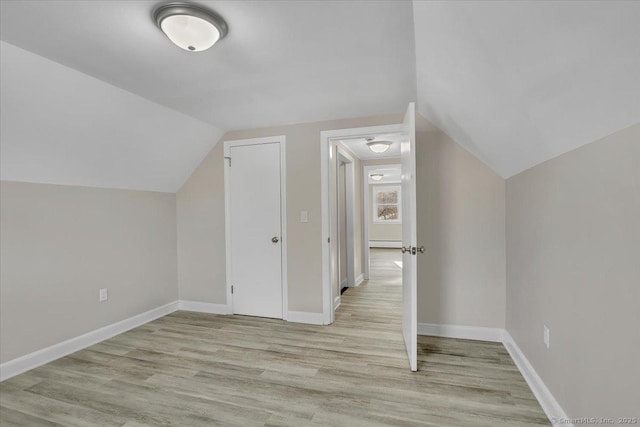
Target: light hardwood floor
x,y
200,369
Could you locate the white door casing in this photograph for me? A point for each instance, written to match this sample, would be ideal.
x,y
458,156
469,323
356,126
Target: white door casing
x,y
409,237
255,227
409,217
327,165
343,158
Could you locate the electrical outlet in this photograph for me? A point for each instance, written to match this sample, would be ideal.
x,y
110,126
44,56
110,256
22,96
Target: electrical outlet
x,y
304,216
103,295
545,335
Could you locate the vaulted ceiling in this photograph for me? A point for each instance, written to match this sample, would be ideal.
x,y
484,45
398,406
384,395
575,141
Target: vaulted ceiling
x,y
94,94
521,82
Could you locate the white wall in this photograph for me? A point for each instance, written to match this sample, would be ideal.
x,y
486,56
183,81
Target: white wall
x,y
61,244
201,232
573,258
461,223
201,247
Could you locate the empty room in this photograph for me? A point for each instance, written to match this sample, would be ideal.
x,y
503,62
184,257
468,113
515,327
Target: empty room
x,y
306,212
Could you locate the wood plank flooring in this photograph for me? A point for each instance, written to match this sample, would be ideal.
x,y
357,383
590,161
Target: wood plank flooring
x,y
194,369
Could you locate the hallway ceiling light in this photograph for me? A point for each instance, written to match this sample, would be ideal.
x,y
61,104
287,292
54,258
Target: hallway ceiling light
x,y
191,27
376,176
379,146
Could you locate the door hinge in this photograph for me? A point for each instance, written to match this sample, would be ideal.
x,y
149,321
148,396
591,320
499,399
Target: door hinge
x,y
231,288
228,158
328,239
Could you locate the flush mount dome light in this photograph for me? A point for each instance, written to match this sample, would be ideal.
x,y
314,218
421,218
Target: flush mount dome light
x,y
190,27
379,146
376,176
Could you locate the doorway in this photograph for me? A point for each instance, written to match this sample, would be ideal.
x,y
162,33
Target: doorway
x,y
393,204
256,227
379,221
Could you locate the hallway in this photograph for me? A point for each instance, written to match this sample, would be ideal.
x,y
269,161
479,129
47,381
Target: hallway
x,y
377,301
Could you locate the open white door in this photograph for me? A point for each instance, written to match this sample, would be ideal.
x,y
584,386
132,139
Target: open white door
x,y
409,238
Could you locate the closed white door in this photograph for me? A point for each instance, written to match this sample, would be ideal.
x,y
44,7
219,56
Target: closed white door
x,y
409,237
254,242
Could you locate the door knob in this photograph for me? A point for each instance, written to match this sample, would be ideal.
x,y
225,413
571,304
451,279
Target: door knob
x,y
421,249
274,239
407,249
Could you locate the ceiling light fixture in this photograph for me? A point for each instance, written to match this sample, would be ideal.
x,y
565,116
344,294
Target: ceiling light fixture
x,y
376,176
379,146
191,27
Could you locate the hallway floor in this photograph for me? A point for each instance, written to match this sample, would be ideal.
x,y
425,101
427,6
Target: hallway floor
x,y
202,369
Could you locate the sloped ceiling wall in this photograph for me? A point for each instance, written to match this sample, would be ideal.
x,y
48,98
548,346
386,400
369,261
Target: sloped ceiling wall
x,y
59,126
116,104
518,83
282,62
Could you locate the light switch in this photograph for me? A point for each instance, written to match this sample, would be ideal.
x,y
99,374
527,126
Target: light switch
x,y
304,216
545,335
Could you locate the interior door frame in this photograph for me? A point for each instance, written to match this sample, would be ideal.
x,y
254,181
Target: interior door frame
x,y
281,139
326,157
349,188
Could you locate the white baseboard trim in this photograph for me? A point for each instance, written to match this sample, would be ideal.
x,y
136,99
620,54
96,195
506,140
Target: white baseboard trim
x,y
479,333
40,357
336,302
549,404
547,401
204,307
385,244
306,317
359,279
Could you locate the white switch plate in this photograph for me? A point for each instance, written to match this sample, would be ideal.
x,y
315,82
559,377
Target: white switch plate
x,y
103,295
304,216
545,335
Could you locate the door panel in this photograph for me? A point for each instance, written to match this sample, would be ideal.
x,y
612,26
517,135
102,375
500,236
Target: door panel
x,y
255,229
409,238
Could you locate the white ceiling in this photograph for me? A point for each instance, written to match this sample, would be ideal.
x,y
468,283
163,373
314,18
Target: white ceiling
x,y
282,62
518,83
115,104
360,148
391,174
